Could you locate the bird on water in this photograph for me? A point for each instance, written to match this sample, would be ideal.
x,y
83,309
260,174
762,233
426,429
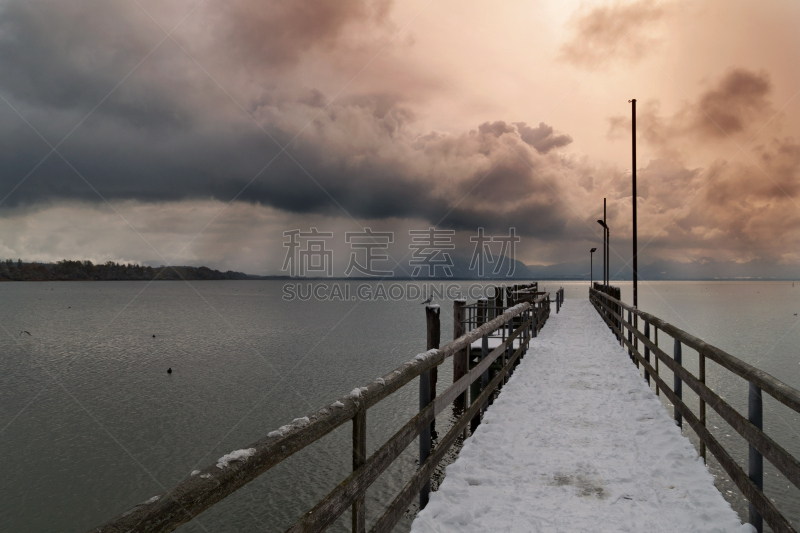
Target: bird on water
x,y
23,331
169,370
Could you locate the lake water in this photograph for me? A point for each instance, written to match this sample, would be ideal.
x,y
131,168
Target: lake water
x,y
91,423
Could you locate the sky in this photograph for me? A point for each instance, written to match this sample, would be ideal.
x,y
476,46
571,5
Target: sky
x,y
197,132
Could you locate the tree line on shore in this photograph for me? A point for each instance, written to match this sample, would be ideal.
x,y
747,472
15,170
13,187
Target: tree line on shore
x,y
87,271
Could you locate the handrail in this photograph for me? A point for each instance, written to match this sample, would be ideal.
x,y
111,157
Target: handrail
x,y
200,491
760,443
782,392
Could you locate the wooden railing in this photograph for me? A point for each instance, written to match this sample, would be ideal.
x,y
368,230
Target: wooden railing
x,y
750,428
200,491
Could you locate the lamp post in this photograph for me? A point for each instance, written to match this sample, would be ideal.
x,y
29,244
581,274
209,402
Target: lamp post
x,y
635,246
606,237
591,271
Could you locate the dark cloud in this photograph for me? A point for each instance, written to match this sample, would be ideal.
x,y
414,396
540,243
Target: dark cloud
x,y
169,134
615,31
739,98
541,137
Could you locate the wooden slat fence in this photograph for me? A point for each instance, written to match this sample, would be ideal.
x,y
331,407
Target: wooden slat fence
x,y
198,492
750,428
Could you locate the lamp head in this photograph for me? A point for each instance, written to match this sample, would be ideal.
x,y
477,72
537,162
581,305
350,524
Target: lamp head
x,y
593,250
602,224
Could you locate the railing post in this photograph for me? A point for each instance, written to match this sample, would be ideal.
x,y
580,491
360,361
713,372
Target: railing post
x,y
630,339
481,312
359,458
426,396
647,351
460,359
677,384
485,375
498,301
658,389
756,461
703,404
535,324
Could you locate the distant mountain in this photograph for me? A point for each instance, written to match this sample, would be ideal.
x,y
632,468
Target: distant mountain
x,y
110,271
461,270
670,270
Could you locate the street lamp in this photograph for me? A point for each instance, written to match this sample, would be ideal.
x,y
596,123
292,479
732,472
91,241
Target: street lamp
x,y
591,271
606,238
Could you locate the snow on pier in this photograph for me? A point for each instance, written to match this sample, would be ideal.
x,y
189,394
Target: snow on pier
x,y
577,442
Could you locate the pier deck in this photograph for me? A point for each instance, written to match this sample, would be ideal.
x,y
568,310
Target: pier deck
x,y
577,442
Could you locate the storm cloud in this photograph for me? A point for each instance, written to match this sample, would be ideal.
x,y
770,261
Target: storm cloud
x,y
168,134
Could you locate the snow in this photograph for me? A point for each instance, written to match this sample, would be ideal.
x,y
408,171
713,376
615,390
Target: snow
x,y
276,433
301,422
154,499
380,381
337,404
355,394
494,342
424,355
577,441
194,472
236,455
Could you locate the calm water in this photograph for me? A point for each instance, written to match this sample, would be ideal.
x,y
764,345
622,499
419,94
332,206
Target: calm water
x,y
91,423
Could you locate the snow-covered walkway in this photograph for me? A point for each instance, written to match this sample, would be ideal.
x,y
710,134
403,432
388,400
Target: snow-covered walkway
x,y
577,442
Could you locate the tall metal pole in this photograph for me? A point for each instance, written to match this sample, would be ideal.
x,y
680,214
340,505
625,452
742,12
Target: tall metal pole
x,y
608,261
605,246
635,247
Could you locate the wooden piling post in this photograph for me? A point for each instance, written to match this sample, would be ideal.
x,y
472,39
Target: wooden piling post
x,y
755,464
426,396
434,339
460,359
498,302
677,384
359,514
